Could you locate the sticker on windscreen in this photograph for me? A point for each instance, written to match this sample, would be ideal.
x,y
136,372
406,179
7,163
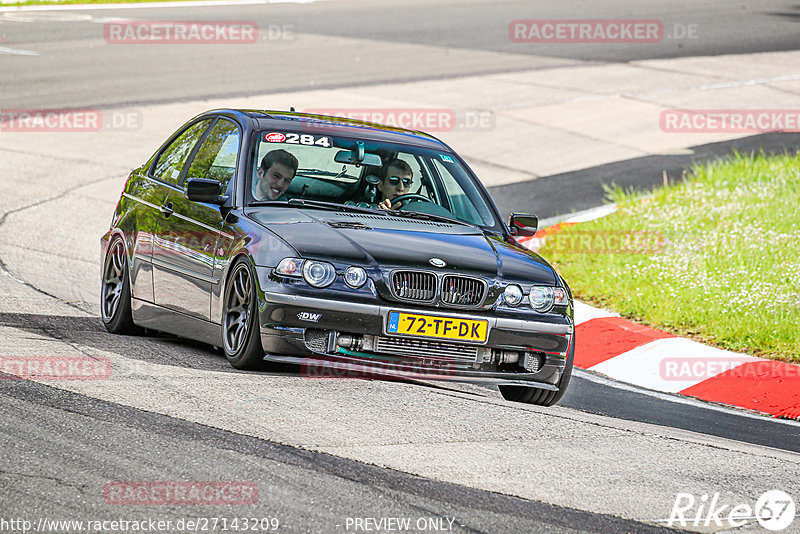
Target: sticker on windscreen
x,y
298,139
446,158
274,137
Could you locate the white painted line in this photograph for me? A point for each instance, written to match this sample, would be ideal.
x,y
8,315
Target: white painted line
x,y
701,87
580,216
584,312
727,85
22,16
105,20
660,364
592,213
679,399
145,5
536,243
16,52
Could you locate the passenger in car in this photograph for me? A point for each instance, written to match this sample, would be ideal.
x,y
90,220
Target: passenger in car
x,y
396,178
274,175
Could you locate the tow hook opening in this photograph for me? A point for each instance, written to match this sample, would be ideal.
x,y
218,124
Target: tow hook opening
x,y
350,341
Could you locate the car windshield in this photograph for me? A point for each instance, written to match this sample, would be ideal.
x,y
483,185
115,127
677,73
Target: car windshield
x,y
431,182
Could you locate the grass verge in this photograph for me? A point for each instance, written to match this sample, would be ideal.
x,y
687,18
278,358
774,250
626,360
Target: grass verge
x,y
715,258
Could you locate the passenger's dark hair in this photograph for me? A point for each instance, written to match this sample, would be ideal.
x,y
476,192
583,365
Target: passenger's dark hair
x,y
279,156
397,163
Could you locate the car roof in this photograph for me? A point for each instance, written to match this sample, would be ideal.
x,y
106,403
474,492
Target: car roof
x,y
329,125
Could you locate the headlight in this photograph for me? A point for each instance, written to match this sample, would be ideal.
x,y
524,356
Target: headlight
x,y
541,298
318,273
512,295
290,267
355,277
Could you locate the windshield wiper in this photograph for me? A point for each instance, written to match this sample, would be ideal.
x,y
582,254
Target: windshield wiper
x,y
333,206
317,204
430,217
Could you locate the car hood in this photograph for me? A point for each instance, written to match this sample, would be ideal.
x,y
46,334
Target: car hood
x,y
384,241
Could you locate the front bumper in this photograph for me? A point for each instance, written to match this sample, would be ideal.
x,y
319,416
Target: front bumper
x,y
287,321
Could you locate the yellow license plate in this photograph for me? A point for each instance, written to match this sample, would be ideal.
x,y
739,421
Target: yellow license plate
x,y
412,324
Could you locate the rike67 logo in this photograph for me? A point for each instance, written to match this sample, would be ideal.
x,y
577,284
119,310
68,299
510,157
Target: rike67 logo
x,y
774,510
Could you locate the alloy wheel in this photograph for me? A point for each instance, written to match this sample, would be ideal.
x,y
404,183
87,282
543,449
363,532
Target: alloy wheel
x,y
113,279
237,309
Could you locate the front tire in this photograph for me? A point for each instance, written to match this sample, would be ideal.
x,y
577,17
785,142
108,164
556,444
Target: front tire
x,y
542,397
115,293
241,339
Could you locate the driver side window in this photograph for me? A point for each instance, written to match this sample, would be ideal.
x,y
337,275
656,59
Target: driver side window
x,y
420,184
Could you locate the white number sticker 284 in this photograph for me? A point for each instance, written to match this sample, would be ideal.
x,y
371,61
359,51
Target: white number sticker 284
x,y
308,139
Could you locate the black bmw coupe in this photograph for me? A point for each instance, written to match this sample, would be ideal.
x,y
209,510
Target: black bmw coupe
x,y
349,248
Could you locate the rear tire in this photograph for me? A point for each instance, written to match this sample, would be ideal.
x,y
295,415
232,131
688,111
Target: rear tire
x,y
115,293
538,396
241,338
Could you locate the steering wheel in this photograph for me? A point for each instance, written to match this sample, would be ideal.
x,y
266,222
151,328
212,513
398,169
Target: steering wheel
x,y
408,197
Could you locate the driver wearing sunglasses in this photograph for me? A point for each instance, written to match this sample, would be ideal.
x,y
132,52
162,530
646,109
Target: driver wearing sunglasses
x,y
396,180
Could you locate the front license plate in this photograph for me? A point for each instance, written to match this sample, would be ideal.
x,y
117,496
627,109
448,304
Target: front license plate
x,y
412,324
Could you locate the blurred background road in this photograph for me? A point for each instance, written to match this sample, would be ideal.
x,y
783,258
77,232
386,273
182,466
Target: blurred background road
x,y
341,43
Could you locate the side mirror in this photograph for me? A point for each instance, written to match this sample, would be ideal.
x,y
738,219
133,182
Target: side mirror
x,y
203,190
523,225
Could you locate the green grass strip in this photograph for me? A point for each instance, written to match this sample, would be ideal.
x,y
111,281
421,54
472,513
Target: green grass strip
x,y
715,257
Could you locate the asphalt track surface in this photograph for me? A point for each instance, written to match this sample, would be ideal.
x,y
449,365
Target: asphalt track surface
x,y
48,430
343,43
306,491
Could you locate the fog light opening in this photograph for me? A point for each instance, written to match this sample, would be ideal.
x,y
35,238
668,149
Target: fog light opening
x,y
533,361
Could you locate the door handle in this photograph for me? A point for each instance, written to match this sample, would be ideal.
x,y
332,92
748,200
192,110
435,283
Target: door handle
x,y
166,209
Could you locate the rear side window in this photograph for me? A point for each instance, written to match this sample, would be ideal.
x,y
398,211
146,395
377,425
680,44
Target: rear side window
x,y
216,157
170,162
